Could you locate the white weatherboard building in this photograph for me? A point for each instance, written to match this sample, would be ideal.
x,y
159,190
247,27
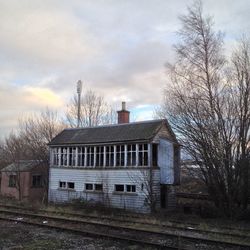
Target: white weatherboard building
x,y
128,165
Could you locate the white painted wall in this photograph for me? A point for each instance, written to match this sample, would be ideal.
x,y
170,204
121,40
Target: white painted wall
x,y
166,161
107,177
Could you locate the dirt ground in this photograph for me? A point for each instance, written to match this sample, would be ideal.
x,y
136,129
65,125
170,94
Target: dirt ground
x,y
15,236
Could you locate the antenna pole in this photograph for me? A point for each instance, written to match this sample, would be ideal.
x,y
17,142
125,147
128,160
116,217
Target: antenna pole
x,y
79,91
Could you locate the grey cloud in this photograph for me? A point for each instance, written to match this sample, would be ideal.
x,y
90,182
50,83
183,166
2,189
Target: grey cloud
x,y
117,48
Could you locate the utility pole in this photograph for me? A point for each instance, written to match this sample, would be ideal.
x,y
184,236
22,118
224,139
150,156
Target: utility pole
x,y
79,91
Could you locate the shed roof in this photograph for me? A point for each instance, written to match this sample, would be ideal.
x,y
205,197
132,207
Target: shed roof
x,y
22,165
136,131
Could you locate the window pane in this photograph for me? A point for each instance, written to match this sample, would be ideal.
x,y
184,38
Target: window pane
x,y
37,181
71,185
62,184
131,188
12,180
119,188
98,187
154,154
89,186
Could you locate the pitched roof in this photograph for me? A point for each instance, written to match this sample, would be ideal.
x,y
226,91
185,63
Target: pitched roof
x,y
22,165
136,131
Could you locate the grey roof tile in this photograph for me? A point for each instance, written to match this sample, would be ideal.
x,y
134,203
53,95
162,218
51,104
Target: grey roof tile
x,y
137,131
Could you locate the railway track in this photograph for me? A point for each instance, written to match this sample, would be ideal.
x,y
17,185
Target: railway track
x,y
188,229
142,236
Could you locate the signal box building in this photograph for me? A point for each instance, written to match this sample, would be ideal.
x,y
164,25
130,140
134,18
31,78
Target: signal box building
x,y
131,166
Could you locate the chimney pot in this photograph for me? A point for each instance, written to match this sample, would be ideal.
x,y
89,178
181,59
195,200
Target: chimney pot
x,y
123,105
123,115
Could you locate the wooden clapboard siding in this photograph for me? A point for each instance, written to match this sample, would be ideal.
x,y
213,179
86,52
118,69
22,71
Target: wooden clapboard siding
x,y
163,133
165,161
108,177
168,156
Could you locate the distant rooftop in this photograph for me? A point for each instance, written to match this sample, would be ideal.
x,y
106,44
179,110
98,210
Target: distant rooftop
x,y
22,165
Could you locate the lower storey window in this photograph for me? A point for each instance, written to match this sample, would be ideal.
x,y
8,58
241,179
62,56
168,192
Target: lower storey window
x,y
130,188
62,184
89,186
71,185
66,185
98,187
119,188
125,188
93,187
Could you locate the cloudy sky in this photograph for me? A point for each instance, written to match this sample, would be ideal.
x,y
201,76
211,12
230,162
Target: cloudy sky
x,y
116,47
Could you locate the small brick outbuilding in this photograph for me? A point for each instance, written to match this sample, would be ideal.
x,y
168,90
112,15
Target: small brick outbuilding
x,y
25,180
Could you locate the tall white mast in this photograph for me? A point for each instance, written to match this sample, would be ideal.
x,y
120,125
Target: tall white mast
x,y
79,91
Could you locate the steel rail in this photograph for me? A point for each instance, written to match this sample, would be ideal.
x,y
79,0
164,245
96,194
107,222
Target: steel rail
x,y
135,230
97,235
185,229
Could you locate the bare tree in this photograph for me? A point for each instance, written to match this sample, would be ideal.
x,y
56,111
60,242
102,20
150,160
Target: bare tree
x,y
208,106
241,97
3,160
38,131
94,111
30,142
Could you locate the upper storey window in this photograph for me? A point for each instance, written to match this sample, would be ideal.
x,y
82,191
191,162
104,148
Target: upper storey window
x,y
64,156
110,156
120,155
143,155
90,156
72,156
130,155
55,156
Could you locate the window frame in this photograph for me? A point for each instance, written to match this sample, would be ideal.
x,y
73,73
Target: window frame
x,y
69,183
93,187
62,186
131,187
98,184
89,185
12,181
40,183
120,185
127,188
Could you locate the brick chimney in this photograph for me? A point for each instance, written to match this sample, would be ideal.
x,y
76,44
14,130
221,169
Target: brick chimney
x,y
123,115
